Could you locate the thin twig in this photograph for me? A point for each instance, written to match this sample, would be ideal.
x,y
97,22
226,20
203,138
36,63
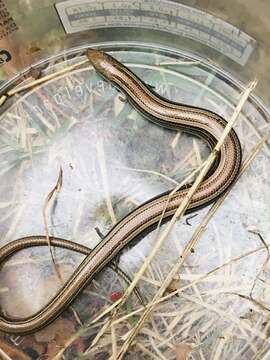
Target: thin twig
x,y
263,267
152,172
46,78
253,301
4,355
114,341
100,334
225,314
75,336
76,315
55,190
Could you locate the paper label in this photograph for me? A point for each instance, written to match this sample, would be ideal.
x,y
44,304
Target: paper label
x,y
163,15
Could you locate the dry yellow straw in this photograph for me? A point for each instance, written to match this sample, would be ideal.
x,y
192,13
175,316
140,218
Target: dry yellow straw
x,y
42,80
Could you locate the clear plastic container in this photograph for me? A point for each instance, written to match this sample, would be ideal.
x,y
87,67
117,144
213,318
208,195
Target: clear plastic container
x,y
202,53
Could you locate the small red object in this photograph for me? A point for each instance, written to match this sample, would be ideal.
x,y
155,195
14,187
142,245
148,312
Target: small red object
x,y
116,295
